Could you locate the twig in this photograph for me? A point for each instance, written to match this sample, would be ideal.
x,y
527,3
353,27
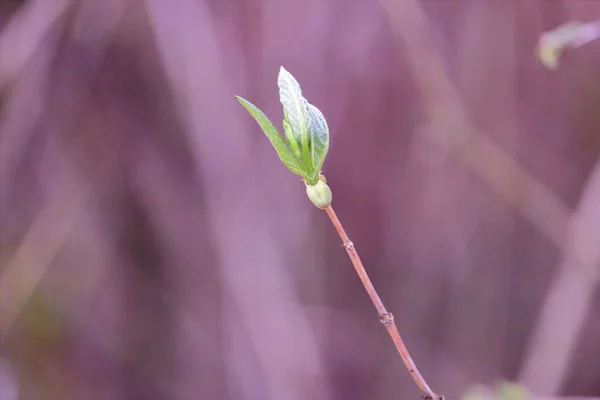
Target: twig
x,y
386,318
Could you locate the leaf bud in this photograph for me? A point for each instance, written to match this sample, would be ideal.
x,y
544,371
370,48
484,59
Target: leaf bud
x,y
319,194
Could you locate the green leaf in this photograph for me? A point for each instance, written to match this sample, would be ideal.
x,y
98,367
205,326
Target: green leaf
x,y
291,140
285,155
305,148
319,135
570,35
294,104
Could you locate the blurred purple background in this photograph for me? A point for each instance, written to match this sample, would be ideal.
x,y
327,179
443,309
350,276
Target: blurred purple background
x,y
152,246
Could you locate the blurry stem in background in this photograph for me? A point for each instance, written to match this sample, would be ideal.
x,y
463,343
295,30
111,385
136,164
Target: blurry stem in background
x,y
22,272
569,299
453,130
386,318
578,274
570,295
29,27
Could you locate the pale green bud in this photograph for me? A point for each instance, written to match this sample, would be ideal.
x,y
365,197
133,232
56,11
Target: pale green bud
x,y
319,194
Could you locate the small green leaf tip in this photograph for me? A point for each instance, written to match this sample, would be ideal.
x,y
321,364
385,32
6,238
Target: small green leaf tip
x,y
570,35
319,194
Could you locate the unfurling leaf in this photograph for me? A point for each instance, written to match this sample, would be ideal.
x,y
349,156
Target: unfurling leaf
x,y
306,132
319,135
285,155
291,140
294,104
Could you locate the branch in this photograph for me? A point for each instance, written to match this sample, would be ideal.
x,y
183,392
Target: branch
x,y
386,318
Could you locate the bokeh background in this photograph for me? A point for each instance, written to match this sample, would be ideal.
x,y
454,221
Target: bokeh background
x,y
154,247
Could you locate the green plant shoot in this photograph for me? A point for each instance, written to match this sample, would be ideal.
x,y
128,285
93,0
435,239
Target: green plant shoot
x,y
303,151
306,136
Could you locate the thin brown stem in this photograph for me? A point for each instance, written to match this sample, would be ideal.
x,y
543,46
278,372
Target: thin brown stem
x,y
386,318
